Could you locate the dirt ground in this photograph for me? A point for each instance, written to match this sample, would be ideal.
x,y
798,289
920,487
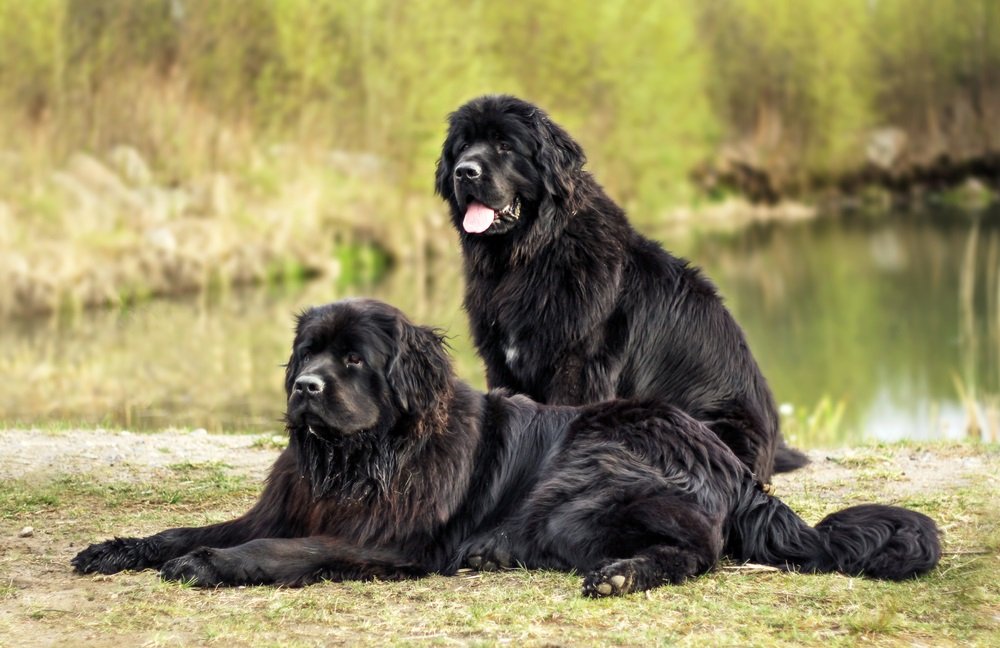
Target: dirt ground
x,y
36,567
38,590
111,456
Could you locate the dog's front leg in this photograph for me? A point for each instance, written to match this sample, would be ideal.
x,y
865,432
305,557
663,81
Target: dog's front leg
x,y
288,561
268,518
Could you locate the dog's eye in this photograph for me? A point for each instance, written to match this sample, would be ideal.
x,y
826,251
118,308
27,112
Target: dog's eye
x,y
353,359
503,147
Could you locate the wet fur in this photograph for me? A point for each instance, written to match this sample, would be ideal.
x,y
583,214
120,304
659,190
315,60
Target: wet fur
x,y
573,306
630,495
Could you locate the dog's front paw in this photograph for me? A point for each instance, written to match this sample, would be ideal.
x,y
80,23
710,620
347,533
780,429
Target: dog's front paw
x,y
113,556
195,568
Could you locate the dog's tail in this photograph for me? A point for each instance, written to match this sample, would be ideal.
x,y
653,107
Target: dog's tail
x,y
886,542
787,459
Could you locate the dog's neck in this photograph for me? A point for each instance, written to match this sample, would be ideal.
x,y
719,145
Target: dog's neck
x,y
366,465
356,467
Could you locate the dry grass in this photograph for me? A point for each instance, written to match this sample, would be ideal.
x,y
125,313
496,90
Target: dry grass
x,y
105,230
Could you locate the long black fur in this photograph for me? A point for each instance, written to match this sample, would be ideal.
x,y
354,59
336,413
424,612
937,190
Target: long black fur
x,y
396,469
570,305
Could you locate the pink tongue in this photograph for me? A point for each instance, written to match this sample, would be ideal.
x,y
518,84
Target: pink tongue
x,y
478,218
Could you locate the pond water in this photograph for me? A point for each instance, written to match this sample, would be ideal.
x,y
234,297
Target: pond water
x,y
867,327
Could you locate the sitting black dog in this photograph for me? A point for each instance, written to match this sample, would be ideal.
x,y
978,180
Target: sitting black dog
x,y
396,469
570,305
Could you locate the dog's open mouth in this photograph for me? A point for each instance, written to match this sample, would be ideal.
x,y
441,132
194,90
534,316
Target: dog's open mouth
x,y
479,217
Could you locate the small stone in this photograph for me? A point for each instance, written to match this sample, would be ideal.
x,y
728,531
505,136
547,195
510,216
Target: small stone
x,y
618,581
26,532
604,589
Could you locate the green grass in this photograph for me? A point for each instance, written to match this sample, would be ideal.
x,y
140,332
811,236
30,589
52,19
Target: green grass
x,y
955,605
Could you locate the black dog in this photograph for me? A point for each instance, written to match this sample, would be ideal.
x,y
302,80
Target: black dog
x,y
396,469
570,305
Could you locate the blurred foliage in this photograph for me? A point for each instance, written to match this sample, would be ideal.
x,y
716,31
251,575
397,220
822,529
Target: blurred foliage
x,y
151,147
650,87
818,426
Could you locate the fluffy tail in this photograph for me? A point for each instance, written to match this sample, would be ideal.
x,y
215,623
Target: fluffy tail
x,y
885,542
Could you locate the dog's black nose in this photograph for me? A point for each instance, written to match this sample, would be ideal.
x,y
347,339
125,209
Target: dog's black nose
x,y
468,170
309,385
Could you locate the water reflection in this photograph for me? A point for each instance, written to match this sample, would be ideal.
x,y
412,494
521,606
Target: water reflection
x,y
209,362
892,316
865,326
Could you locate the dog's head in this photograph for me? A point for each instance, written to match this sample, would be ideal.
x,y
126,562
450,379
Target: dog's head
x,y
360,365
504,164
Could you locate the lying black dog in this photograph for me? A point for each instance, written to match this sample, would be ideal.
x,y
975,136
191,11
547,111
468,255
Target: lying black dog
x,y
570,305
395,469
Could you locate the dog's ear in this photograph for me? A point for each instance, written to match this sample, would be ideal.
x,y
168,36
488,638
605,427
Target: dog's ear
x,y
443,184
292,368
559,158
420,373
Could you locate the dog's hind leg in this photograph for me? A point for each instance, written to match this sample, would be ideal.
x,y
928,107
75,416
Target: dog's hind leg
x,y
677,542
647,569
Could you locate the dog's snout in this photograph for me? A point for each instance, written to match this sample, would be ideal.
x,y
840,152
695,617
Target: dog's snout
x,y
309,385
468,170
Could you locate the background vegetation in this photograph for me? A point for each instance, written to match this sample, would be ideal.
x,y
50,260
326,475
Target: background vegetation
x,y
157,146
800,80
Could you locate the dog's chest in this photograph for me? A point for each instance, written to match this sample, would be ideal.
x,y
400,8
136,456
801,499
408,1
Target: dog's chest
x,y
519,339
514,326
511,354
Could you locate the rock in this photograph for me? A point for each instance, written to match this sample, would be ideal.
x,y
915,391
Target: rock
x,y
885,146
130,165
26,532
162,238
103,181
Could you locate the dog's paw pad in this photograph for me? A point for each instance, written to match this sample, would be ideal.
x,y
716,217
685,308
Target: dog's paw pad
x,y
606,582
